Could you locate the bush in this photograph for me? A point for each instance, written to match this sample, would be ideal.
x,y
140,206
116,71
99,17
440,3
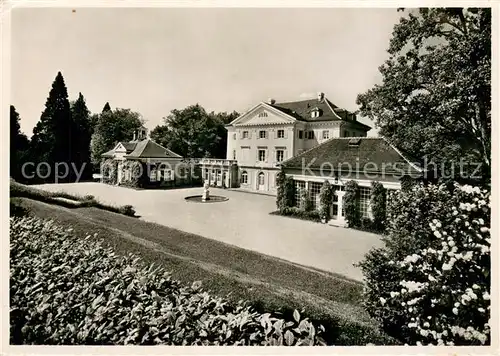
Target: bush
x,y
17,208
430,284
128,210
69,290
351,204
285,191
281,189
301,214
407,183
378,204
109,171
325,200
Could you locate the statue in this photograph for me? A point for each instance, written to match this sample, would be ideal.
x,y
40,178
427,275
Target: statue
x,y
206,194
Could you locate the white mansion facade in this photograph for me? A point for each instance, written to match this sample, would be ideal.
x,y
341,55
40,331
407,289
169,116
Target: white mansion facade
x,y
270,133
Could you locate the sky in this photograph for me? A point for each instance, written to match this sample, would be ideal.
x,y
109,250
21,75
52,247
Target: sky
x,y
154,60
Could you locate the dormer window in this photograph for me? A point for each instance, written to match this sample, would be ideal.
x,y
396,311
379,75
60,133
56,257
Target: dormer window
x,y
316,112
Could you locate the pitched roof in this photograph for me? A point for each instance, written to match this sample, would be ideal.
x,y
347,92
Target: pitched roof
x,y
368,154
150,149
129,146
301,110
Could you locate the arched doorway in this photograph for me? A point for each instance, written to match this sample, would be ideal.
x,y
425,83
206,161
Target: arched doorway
x,y
260,181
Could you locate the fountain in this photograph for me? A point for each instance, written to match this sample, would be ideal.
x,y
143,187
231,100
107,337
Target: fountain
x,y
206,192
206,197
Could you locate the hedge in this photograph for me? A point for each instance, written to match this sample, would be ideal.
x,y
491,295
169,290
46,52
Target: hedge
x,y
65,289
18,190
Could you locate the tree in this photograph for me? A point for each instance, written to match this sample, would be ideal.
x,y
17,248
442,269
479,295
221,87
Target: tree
x,y
192,132
106,107
222,119
111,128
19,145
82,127
53,134
435,96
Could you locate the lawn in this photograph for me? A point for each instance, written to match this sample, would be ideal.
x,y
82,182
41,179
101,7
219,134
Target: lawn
x,y
266,282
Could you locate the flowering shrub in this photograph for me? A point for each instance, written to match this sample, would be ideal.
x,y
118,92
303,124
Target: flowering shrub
x,y
65,289
430,285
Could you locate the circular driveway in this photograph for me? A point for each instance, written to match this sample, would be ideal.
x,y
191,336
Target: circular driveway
x,y
243,221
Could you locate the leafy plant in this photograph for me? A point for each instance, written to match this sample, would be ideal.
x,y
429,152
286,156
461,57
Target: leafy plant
x,y
65,289
305,203
326,200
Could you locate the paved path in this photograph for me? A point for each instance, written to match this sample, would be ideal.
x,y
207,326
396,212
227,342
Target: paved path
x,y
243,221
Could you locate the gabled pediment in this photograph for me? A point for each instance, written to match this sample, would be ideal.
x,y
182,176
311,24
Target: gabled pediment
x,y
262,114
120,148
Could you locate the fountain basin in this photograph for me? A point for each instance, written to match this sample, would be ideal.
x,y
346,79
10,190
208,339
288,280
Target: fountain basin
x,y
211,199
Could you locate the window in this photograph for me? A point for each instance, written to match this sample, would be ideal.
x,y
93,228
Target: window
x,y
152,175
346,134
315,113
281,133
261,178
244,177
280,155
245,134
301,134
314,188
234,136
326,134
263,114
364,201
234,154
310,135
262,155
299,185
206,174
167,175
262,134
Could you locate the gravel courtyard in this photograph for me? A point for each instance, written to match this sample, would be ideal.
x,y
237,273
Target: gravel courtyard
x,y
243,221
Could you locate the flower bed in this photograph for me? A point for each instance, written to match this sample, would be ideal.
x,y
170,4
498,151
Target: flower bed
x,y
69,290
298,213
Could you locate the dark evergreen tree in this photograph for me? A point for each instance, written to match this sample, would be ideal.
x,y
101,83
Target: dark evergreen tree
x,y
52,136
81,136
19,145
106,107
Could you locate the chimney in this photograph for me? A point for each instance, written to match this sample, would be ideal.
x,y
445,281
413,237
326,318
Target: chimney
x,y
321,96
271,101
